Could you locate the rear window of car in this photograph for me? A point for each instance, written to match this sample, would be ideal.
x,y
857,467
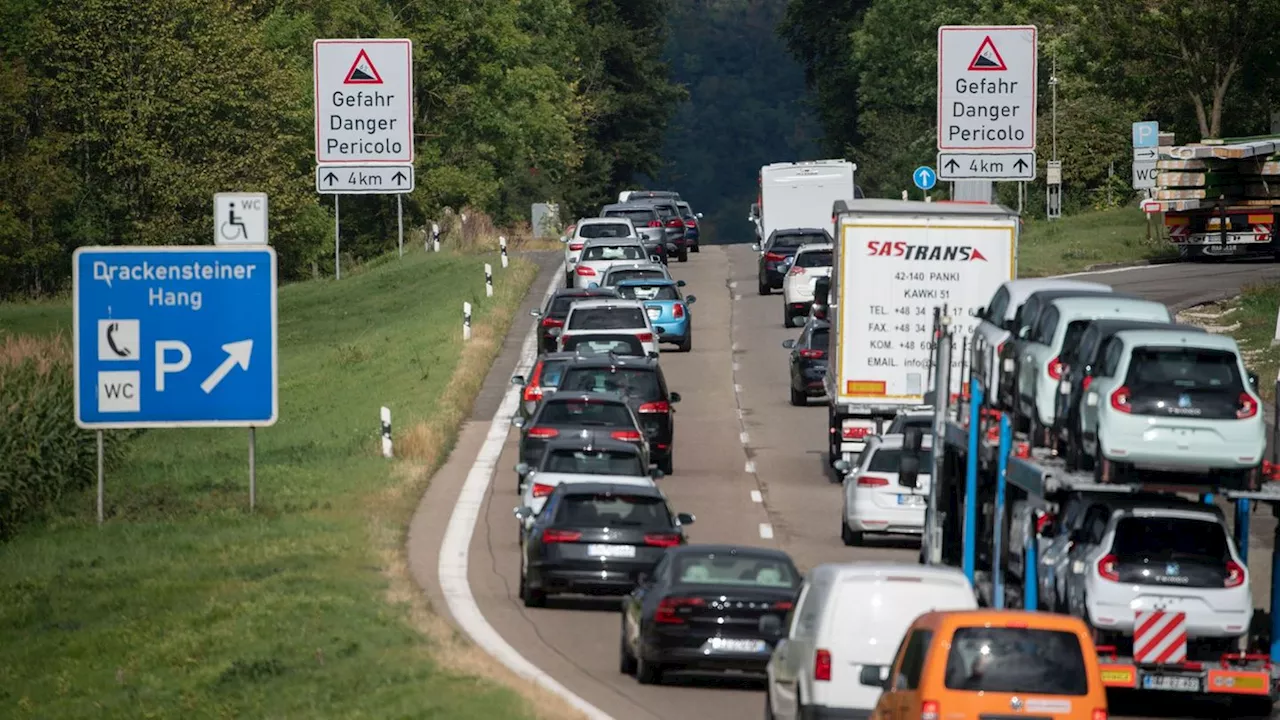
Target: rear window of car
x,y
551,372
901,423
581,510
1016,660
820,339
738,569
578,412
605,230
638,216
886,460
620,275
798,240
560,305
1170,537
1183,368
593,462
603,344
610,318
1071,340
685,210
613,252
639,383
665,211
814,258
648,292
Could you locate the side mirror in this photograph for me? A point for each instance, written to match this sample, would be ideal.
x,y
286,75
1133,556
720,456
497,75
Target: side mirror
x,y
564,239
517,422
642,578
755,246
685,518
555,332
691,300
980,312
657,474
655,259
673,397
842,466
653,355
523,513
698,215
517,380
594,285
523,469
770,625
789,344
874,675
1253,381
680,283
535,313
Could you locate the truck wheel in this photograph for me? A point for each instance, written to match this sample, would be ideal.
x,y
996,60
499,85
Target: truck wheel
x,y
1248,708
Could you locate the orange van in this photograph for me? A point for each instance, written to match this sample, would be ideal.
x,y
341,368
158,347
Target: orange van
x,y
991,665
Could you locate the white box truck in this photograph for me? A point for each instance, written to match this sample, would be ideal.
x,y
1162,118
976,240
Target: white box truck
x,y
801,194
895,261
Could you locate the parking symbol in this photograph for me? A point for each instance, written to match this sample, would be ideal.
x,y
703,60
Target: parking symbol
x,y
119,391
118,340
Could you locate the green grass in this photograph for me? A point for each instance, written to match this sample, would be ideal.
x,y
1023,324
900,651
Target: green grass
x,y
1255,310
1075,242
185,605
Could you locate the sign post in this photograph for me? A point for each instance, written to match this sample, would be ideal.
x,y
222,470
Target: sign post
x,y
1146,141
987,79
1053,189
364,122
174,337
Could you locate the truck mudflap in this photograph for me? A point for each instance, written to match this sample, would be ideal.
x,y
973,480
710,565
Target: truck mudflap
x,y
1233,674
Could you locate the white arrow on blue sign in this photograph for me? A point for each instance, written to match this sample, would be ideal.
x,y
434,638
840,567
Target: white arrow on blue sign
x,y
175,336
925,177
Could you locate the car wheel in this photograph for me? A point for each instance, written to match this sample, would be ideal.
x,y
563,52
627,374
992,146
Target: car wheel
x,y
648,673
530,597
666,463
683,256
763,285
798,399
696,248
787,318
686,343
768,703
1104,471
626,661
847,535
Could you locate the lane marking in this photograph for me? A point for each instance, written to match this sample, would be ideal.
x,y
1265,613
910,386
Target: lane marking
x,y
750,469
737,389
733,346
733,284
737,296
736,366
1112,271
455,549
746,439
766,531
756,496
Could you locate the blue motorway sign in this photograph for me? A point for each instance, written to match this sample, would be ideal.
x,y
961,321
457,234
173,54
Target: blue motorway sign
x,y
925,177
175,336
1146,134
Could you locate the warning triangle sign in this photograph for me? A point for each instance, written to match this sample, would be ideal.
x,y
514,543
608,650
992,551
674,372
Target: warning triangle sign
x,y
987,57
362,71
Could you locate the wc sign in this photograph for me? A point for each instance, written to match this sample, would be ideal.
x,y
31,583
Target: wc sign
x,y
1146,153
240,219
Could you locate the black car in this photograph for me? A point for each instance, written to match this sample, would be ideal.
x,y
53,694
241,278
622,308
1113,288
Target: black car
x,y
641,382
779,250
596,539
707,607
552,315
809,361
543,380
576,456
623,344
587,415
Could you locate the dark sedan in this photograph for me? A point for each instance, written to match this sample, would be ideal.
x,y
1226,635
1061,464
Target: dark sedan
x,y
557,309
596,539
704,609
644,386
590,416
809,361
779,250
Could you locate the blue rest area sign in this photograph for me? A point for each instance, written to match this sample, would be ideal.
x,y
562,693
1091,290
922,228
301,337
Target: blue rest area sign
x,y
175,336
1146,134
925,177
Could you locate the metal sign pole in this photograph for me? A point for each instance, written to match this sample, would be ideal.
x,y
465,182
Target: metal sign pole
x,y
941,403
253,468
400,221
969,560
997,555
102,480
337,242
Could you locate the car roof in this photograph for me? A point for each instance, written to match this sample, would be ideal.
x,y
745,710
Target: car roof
x,y
603,221
558,355
613,241
636,265
1019,290
610,360
893,441
563,478
634,282
1104,302
626,206
1196,339
607,302
578,443
601,293
1151,501
567,396
832,571
755,550
817,324
988,617
1110,326
798,231
595,488
816,247
1051,294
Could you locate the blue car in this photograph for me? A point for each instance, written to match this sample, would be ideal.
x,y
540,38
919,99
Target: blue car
x,y
668,309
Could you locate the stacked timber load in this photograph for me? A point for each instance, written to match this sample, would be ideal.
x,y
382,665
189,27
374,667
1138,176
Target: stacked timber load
x,y
1239,172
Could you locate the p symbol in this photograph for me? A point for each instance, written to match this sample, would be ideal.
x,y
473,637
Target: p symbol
x,y
1146,134
164,366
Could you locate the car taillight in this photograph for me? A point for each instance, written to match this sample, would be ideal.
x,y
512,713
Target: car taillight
x,y
854,433
929,710
677,310
655,223
1235,575
662,539
1055,368
783,605
1088,380
533,393
822,665
585,271
626,435
774,257
1099,714
543,433
540,490
813,354
661,406
558,536
666,612
645,337
550,322
1248,406
1000,348
690,222
1107,568
797,270
575,246
872,481
1120,400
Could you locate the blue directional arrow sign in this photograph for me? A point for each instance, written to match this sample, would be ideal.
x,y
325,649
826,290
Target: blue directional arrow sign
x,y
925,177
175,336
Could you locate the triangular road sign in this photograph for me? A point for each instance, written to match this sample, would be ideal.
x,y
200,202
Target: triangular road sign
x,y
363,72
987,57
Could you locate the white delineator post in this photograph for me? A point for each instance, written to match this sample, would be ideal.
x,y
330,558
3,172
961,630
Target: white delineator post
x,y
488,280
466,321
386,432
435,237
502,244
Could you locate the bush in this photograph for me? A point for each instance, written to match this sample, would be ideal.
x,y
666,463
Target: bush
x,y
43,454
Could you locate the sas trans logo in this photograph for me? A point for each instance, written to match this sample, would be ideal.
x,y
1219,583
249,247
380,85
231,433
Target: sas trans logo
x,y
907,251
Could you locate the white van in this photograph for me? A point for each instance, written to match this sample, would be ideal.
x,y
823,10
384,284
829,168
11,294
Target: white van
x,y
847,616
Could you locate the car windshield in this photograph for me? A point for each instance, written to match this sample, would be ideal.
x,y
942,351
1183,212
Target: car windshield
x,y
605,230
1183,368
618,276
1016,660
605,509
686,211
551,373
638,383
607,318
1071,340
638,216
820,339
1170,537
903,422
649,292
664,211
593,462
886,460
743,569
814,258
613,252
628,345
560,305
579,412
798,240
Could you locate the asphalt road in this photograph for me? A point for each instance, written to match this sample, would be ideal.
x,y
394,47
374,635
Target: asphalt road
x,y
750,467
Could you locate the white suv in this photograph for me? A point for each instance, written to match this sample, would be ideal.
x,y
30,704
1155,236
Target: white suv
x,y
611,316
811,262
597,256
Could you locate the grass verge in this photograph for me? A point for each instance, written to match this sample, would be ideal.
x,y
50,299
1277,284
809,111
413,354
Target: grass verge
x,y
1251,319
1075,242
184,604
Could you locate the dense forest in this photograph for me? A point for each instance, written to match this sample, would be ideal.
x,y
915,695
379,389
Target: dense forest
x,y
120,119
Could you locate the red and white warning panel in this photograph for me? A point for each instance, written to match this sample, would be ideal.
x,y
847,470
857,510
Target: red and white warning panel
x,y
1160,637
364,101
987,88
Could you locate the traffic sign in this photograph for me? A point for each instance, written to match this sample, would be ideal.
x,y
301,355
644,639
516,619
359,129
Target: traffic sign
x,y
364,101
1053,172
924,177
1146,134
240,219
987,166
986,88
364,179
174,336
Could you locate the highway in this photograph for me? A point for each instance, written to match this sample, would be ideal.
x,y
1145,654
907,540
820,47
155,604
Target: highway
x,y
750,467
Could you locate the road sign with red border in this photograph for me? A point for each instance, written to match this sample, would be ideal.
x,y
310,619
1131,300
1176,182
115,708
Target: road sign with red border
x,y
364,101
987,79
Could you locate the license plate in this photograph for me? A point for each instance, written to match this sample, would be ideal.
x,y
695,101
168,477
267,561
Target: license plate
x,y
617,551
1171,682
738,645
912,500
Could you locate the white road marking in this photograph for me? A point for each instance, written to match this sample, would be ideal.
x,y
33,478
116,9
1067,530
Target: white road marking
x,y
457,541
750,467
766,531
733,284
737,388
736,367
740,413
756,496
746,439
733,346
1111,271
737,296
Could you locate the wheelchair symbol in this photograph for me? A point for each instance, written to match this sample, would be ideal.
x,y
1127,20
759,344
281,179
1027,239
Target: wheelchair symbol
x,y
234,228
